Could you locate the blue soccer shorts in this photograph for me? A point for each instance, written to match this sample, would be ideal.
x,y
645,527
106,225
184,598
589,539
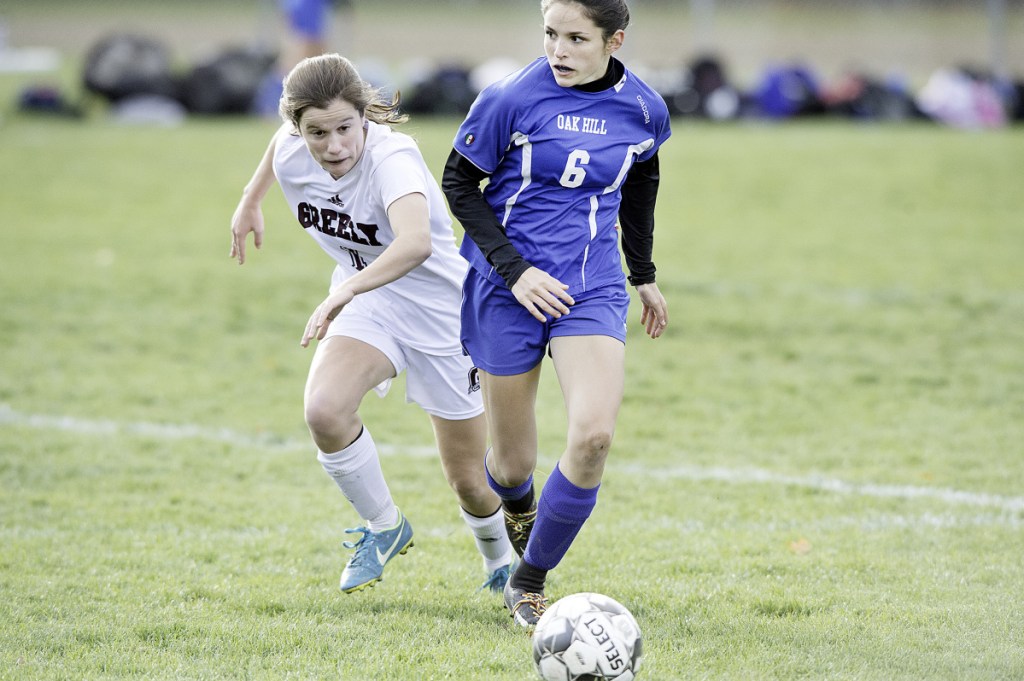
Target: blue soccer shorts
x,y
504,339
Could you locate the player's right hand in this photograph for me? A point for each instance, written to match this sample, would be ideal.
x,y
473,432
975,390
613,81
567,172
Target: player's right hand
x,y
325,313
247,218
541,294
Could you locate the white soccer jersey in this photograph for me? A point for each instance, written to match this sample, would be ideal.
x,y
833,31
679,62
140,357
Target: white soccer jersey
x,y
348,218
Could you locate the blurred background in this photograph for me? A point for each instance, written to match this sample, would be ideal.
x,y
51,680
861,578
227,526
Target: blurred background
x,y
958,62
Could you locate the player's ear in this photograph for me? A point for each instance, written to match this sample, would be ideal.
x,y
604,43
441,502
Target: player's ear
x,y
615,41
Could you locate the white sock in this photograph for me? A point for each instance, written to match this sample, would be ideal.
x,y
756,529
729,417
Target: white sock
x,y
357,472
491,539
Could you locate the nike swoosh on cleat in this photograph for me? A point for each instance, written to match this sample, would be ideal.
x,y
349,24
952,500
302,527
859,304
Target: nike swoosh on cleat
x,y
384,557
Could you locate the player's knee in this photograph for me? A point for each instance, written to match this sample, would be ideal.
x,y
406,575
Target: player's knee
x,y
326,418
510,467
591,446
471,494
317,416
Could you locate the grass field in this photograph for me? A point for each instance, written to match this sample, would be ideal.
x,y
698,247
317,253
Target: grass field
x,y
817,472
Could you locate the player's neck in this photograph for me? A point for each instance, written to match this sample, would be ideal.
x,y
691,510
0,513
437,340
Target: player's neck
x,y
611,76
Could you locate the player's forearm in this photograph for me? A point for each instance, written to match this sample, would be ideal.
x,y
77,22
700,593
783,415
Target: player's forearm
x,y
403,255
461,185
263,177
636,219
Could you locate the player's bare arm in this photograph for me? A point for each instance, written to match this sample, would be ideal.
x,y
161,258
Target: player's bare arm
x,y
411,247
248,215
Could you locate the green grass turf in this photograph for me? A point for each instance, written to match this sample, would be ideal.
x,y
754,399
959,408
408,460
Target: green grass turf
x,y
817,471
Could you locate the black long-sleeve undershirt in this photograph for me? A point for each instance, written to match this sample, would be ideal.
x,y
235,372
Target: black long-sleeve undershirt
x,y
636,219
461,185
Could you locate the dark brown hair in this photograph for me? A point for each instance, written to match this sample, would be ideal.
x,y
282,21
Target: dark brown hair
x,y
608,15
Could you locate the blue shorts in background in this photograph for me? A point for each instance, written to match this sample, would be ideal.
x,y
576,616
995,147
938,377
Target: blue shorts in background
x,y
307,17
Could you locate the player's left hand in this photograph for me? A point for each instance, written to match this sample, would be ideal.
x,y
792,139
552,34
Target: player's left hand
x,y
324,314
654,316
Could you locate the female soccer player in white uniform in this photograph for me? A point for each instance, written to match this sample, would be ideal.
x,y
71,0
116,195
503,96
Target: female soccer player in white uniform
x,y
365,195
569,147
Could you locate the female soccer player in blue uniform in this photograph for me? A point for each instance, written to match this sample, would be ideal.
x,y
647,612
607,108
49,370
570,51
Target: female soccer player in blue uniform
x,y
569,148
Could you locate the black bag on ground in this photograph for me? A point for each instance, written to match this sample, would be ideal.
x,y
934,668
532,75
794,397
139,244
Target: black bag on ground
x,y
447,91
125,65
228,83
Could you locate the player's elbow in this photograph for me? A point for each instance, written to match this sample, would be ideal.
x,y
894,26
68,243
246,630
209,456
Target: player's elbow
x,y
419,248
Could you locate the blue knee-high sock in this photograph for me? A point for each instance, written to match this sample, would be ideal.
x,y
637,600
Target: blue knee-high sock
x,y
561,512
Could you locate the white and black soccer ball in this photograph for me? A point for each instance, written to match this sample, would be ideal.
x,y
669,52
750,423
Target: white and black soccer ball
x,y
587,637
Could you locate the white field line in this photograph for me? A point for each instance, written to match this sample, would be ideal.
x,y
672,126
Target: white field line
x,y
733,476
833,485
177,431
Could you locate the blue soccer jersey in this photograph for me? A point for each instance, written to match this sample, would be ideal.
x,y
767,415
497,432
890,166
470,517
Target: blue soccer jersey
x,y
557,158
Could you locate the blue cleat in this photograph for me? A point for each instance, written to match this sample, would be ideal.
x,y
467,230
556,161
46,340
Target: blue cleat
x,y
373,551
496,581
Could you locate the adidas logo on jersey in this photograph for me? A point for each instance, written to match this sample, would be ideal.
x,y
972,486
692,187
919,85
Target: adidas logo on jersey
x,y
336,200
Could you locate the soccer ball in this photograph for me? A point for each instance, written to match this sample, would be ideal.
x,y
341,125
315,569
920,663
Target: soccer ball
x,y
587,637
